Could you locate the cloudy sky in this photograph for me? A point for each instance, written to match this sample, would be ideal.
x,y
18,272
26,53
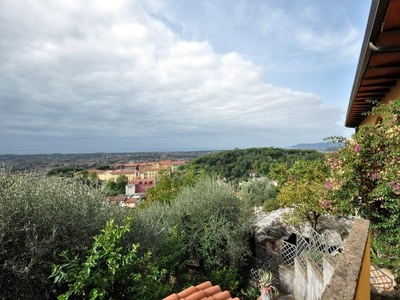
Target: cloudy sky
x,y
146,75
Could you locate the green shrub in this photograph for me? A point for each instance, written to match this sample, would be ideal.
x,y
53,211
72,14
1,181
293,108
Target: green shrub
x,y
39,218
250,293
271,205
210,225
258,191
214,222
200,235
111,271
63,171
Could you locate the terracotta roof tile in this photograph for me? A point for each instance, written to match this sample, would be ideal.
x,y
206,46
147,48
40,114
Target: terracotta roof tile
x,y
178,162
154,169
117,198
172,297
123,171
204,291
212,290
204,285
165,162
222,296
131,200
196,296
187,292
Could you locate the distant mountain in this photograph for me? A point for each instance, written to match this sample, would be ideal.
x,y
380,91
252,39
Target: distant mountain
x,y
322,146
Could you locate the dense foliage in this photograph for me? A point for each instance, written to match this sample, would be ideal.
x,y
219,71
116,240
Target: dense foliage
x,y
116,187
193,228
199,235
361,178
303,187
259,192
110,271
210,225
365,181
89,178
39,218
104,167
63,171
168,187
237,164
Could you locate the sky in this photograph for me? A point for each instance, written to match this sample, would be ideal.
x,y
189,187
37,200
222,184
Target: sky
x,y
161,75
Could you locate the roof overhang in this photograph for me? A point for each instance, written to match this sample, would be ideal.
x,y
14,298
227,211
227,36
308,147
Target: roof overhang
x,y
379,64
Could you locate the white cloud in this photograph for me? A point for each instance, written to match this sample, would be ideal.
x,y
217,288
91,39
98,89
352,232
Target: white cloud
x,y
311,36
110,69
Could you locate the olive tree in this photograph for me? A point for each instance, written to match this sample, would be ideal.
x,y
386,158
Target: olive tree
x,y
210,227
39,218
258,191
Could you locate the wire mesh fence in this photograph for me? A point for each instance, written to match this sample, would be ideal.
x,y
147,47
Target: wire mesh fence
x,y
313,248
380,280
270,262
288,253
302,247
317,249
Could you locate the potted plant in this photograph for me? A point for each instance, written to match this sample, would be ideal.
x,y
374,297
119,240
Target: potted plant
x,y
268,291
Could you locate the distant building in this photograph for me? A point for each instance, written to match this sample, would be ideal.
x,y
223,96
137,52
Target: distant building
x,y
124,201
139,186
131,201
117,200
146,170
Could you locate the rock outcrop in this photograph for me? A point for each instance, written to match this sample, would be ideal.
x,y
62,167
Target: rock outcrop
x,y
274,226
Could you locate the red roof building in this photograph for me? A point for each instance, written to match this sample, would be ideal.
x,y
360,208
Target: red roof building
x,y
139,186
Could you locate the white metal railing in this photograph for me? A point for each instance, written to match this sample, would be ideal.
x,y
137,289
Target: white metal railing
x,y
314,248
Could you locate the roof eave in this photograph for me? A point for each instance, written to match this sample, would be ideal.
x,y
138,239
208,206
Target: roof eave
x,y
375,20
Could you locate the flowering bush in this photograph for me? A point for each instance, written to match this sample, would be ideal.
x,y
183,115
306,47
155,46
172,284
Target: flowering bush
x,y
365,181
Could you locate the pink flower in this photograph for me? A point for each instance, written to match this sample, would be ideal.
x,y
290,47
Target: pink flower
x,y
357,148
375,176
326,204
396,189
394,183
328,185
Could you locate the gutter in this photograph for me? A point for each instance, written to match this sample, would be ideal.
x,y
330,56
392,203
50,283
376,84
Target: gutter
x,y
374,25
381,49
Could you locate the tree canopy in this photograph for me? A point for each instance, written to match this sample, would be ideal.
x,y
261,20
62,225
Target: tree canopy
x,y
65,225
237,164
304,189
258,191
168,186
116,187
66,171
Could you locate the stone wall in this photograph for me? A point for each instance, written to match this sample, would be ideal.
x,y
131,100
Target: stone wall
x,y
348,278
351,278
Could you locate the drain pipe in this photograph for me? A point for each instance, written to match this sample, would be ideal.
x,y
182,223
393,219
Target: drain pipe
x,y
381,49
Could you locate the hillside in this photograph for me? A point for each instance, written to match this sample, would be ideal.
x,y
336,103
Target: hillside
x,y
237,164
322,146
